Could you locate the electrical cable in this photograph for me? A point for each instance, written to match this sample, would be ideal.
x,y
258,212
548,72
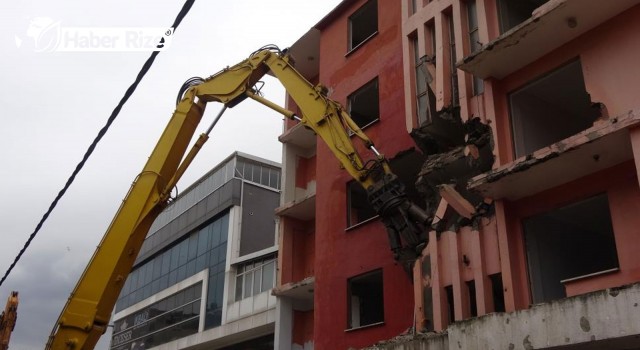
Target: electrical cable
x,y
143,71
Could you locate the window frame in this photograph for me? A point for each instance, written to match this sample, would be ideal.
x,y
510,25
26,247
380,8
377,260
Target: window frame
x,y
535,274
421,95
453,70
250,268
373,274
473,30
354,17
521,136
373,82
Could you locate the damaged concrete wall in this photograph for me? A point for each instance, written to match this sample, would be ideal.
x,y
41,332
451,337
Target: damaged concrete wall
x,y
607,319
455,152
462,249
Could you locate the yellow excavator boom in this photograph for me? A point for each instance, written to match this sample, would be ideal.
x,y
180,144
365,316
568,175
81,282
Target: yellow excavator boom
x,y
86,314
8,320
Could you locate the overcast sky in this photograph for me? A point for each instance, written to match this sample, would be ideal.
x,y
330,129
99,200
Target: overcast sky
x,y
54,103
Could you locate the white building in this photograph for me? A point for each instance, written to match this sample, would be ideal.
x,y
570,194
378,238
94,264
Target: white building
x,y
204,275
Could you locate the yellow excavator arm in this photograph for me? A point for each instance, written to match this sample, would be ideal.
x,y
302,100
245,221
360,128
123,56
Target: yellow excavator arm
x,y
86,314
8,320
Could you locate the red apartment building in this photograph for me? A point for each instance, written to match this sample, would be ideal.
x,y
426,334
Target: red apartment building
x,y
536,246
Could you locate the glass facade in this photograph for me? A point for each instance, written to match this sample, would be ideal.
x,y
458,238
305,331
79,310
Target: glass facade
x,y
203,248
168,319
237,167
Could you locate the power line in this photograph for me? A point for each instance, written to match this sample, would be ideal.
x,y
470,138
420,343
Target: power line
x,y
145,68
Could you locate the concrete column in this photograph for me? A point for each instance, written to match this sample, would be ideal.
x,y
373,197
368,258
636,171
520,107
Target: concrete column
x,y
284,324
460,290
484,297
439,302
505,258
443,94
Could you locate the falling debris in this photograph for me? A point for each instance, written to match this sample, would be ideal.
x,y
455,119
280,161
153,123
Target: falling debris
x,y
456,152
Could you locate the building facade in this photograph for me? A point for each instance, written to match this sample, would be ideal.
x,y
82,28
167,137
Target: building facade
x,y
515,124
339,285
205,272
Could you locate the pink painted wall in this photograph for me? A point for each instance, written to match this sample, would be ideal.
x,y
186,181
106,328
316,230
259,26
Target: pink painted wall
x,y
448,254
609,56
305,171
302,327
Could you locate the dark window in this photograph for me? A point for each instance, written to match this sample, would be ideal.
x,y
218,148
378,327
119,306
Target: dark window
x,y
550,109
365,299
474,41
514,12
358,207
497,292
453,71
451,307
363,104
572,241
363,24
473,305
262,343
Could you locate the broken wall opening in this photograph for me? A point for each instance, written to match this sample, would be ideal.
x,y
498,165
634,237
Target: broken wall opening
x,y
550,109
513,12
568,242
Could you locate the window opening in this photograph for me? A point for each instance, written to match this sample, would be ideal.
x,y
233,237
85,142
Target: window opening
x,y
425,99
254,277
363,24
550,109
473,306
363,104
497,292
474,41
452,63
451,314
571,241
365,299
513,12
